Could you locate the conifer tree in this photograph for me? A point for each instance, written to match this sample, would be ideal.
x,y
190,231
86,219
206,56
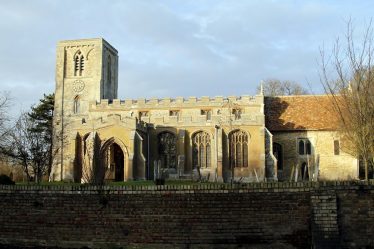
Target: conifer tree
x,y
42,117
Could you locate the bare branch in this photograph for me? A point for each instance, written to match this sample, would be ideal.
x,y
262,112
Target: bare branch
x,y
351,89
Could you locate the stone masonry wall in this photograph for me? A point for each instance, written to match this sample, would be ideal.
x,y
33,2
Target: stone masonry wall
x,y
263,215
342,167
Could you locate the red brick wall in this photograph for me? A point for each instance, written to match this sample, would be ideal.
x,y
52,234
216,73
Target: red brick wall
x,y
261,215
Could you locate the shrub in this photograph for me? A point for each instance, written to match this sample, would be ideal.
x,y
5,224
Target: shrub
x,y
5,180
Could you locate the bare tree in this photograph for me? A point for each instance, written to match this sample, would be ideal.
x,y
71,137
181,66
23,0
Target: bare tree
x,y
4,126
275,87
4,118
347,76
27,148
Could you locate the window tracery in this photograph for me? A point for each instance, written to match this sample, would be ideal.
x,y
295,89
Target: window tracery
x,y
238,149
167,149
201,150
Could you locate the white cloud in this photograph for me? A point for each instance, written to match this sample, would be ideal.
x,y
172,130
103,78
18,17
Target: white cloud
x,y
175,48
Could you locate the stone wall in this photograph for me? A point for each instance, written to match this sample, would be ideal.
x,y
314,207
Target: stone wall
x,y
340,167
263,215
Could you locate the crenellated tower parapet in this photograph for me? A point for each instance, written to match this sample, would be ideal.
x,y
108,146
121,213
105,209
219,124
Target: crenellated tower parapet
x,y
234,110
179,102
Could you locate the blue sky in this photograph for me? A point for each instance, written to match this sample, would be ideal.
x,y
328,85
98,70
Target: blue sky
x,y
177,47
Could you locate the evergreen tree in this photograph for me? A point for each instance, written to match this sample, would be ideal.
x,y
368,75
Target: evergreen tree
x,y
42,117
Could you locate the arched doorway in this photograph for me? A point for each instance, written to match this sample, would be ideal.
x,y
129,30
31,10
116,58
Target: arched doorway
x,y
118,160
113,159
278,153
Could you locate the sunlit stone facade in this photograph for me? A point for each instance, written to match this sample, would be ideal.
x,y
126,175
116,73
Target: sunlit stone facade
x,y
207,138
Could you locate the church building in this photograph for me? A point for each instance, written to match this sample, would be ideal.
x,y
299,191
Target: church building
x,y
242,138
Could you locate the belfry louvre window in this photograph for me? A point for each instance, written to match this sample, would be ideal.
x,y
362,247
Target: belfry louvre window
x,y
238,149
304,146
167,149
201,150
78,64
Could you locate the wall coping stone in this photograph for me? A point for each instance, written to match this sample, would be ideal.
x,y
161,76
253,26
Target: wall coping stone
x,y
185,189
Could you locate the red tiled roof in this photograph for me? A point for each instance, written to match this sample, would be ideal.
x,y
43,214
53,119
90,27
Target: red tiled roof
x,y
303,112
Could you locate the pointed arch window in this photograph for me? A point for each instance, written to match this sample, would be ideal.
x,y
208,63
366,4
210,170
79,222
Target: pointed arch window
x,y
77,105
167,149
238,149
201,150
301,147
304,146
78,64
308,147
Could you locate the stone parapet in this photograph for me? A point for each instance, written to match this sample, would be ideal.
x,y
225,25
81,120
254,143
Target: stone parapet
x,y
178,102
246,119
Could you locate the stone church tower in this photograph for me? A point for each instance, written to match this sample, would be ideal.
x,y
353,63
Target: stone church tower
x,y
86,71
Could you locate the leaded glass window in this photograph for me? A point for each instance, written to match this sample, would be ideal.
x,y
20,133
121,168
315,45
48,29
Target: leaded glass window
x,y
201,150
167,149
238,149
